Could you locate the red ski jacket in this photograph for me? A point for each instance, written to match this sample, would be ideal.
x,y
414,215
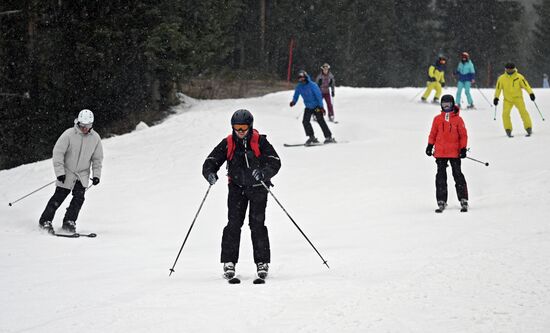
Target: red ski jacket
x,y
448,134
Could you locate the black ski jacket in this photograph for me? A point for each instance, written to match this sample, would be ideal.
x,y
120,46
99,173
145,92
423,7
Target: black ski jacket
x,y
238,171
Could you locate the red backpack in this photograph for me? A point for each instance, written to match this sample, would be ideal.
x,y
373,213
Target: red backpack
x,y
254,144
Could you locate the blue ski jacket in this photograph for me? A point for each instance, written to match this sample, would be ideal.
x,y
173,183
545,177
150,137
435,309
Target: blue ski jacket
x,y
466,71
310,92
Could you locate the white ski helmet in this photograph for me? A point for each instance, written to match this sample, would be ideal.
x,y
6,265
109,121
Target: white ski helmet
x,y
85,117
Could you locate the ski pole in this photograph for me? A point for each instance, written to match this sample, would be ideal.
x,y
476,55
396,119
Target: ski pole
x,y
539,110
290,217
23,197
478,161
189,231
495,117
416,96
482,94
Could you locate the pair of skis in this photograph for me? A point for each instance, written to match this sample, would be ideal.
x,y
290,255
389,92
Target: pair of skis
x,y
236,280
441,209
71,235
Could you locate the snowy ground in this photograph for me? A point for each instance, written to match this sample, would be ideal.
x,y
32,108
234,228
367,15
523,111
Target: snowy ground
x,y
368,206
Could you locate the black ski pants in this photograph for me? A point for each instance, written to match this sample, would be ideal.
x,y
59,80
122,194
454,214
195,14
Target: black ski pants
x,y
320,119
57,199
237,203
441,179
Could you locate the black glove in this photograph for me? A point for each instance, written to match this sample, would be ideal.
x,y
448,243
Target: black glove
x,y
442,84
212,178
61,178
432,79
292,103
332,93
532,96
463,153
429,149
95,181
495,101
258,174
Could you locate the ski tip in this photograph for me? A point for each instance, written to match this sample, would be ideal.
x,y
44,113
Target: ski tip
x,y
92,235
258,281
234,280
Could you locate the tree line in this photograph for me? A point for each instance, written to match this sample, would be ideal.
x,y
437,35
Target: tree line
x,y
125,59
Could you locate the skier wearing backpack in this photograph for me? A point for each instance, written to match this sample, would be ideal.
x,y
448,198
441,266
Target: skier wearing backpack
x,y
449,137
436,79
251,160
313,100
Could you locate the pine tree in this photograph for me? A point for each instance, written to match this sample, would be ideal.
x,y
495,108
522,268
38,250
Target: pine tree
x,y
541,42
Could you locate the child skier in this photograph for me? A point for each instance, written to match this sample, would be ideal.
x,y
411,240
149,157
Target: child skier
x,y
449,136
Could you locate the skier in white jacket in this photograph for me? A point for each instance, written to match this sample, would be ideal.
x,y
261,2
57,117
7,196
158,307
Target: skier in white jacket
x,y
76,150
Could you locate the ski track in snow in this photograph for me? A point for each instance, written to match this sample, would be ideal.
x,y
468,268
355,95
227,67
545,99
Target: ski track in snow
x,y
367,206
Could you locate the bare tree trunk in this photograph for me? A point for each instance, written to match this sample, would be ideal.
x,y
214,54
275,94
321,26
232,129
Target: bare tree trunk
x,y
262,35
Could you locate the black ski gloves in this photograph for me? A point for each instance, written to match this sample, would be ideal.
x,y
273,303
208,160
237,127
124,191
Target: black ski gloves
x,y
95,180
442,84
61,178
258,174
332,93
495,101
292,103
212,178
432,79
429,149
532,96
463,153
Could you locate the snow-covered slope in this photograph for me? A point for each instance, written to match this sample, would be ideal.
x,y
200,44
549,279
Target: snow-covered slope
x,y
367,205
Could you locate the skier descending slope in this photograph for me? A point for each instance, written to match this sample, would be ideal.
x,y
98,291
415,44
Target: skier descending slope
x,y
449,136
313,100
76,151
251,159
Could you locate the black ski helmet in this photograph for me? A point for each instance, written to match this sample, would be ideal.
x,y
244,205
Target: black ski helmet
x,y
242,116
510,65
448,99
302,73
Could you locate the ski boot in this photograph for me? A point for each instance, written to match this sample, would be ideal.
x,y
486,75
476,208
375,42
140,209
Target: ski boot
x,y
435,100
330,139
441,206
46,225
261,269
423,100
228,270
331,119
69,226
311,141
509,133
529,131
471,106
464,205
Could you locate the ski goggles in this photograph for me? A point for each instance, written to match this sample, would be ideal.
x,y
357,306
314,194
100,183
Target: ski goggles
x,y
447,106
88,126
241,127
